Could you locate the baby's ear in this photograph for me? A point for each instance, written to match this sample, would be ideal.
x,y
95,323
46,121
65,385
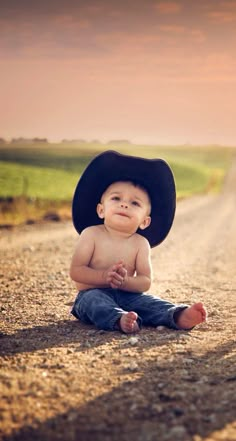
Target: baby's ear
x,y
146,222
100,211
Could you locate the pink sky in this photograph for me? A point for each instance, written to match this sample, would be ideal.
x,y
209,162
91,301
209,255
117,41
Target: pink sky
x,y
148,71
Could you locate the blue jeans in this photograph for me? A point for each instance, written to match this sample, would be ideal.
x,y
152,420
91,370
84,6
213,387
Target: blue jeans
x,y
104,307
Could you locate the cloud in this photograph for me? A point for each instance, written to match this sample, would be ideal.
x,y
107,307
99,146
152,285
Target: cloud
x,y
222,16
198,35
135,44
68,21
176,35
168,7
55,36
222,13
176,29
168,53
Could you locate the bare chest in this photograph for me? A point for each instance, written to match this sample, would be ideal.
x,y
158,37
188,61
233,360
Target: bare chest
x,y
108,252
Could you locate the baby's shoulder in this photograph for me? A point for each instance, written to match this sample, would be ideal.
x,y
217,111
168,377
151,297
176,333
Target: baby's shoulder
x,y
141,241
90,231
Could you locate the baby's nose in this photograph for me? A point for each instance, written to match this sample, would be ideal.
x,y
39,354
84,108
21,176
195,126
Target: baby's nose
x,y
124,204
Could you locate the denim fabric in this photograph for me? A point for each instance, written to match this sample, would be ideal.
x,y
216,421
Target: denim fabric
x,y
103,308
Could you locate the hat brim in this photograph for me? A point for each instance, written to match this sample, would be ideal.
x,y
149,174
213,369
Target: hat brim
x,y
154,175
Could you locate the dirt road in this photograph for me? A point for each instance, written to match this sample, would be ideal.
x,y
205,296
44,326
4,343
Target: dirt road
x,y
61,380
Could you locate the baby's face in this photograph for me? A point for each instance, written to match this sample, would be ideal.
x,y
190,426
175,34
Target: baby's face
x,y
126,206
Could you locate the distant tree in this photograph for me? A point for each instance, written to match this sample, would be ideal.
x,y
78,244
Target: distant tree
x,y
2,141
17,140
82,141
21,140
95,141
119,141
74,141
40,140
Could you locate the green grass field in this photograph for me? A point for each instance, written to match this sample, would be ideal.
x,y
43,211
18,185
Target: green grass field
x,y
40,175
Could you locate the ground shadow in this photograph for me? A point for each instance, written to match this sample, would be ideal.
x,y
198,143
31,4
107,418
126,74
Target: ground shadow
x,y
64,332
32,339
198,402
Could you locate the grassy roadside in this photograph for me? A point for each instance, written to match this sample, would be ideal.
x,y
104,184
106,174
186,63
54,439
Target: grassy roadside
x,y
38,181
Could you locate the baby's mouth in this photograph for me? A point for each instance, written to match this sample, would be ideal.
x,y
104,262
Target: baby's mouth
x,y
123,214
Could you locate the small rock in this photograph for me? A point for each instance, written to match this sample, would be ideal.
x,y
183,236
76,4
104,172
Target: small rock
x,y
231,378
177,432
160,328
133,407
188,360
209,418
157,408
72,416
133,341
87,344
184,337
203,379
183,372
133,366
181,394
178,411
116,362
92,332
100,332
28,248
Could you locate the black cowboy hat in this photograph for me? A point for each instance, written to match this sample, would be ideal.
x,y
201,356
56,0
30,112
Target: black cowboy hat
x,y
154,175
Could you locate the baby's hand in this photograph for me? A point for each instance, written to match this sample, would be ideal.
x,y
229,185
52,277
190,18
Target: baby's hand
x,y
122,271
116,275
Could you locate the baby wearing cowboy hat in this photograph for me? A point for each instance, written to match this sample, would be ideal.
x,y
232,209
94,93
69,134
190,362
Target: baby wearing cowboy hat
x,y
122,206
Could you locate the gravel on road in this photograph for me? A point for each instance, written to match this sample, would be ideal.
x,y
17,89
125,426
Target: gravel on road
x,y
62,380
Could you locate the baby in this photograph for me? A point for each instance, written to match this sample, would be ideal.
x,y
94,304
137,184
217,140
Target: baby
x,y
111,264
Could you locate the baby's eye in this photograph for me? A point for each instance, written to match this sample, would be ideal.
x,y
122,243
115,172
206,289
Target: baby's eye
x,y
115,198
137,204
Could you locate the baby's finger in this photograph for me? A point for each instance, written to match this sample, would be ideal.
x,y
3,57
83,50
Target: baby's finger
x,y
122,272
117,267
115,284
117,278
114,276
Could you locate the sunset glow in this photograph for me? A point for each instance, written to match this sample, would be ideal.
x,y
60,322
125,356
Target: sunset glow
x,y
153,71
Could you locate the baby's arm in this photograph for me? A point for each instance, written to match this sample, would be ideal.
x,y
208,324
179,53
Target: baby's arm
x,y
141,281
81,272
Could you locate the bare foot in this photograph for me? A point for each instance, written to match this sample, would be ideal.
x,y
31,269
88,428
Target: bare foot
x,y
128,322
191,316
